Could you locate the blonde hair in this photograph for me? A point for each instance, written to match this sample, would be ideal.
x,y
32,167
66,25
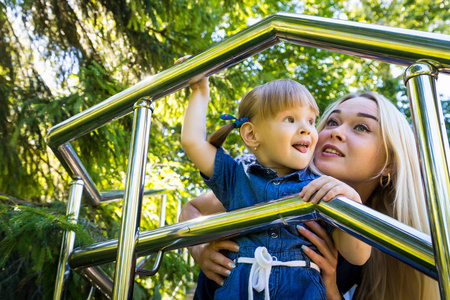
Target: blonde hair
x,y
385,277
266,101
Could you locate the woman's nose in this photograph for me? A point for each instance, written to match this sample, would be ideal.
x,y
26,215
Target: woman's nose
x,y
337,134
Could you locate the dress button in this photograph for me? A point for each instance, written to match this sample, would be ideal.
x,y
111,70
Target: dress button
x,y
274,235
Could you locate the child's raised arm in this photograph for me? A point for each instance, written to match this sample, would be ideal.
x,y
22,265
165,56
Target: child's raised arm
x,y
326,188
193,132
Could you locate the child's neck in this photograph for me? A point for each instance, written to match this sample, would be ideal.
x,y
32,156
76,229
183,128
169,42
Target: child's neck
x,y
281,171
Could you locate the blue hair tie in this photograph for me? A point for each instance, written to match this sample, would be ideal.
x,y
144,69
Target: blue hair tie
x,y
236,121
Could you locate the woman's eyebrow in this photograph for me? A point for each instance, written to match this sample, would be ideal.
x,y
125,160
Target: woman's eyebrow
x,y
367,116
336,111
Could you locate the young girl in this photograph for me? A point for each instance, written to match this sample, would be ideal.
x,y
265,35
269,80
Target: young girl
x,y
276,122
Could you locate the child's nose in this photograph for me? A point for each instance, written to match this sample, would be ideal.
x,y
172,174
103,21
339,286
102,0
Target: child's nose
x,y
304,130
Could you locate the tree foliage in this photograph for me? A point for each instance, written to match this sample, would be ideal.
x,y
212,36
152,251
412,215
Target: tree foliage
x,y
58,58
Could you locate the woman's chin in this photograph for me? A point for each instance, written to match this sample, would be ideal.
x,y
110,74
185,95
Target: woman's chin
x,y
328,167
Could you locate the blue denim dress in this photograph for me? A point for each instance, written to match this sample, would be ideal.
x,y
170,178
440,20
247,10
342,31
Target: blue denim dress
x,y
243,183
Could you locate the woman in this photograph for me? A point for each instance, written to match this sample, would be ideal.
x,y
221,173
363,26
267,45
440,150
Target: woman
x,y
365,142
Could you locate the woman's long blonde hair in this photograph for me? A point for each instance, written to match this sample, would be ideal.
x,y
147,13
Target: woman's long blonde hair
x,y
385,277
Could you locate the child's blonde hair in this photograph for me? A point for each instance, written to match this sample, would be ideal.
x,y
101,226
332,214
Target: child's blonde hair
x,y
266,101
385,277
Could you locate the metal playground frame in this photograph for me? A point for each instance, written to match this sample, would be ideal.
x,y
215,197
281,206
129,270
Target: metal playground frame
x,y
425,55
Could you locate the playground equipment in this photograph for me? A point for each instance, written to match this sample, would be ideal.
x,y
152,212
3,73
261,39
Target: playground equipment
x,y
425,54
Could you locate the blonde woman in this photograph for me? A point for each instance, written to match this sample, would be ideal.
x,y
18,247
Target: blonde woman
x,y
365,142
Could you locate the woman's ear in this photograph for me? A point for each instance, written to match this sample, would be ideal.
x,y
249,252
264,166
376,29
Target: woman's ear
x,y
248,135
389,169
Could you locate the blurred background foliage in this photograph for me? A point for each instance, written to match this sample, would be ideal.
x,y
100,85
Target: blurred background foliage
x,y
58,58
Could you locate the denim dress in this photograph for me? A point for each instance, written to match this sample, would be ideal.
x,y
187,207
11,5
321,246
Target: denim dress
x,y
243,183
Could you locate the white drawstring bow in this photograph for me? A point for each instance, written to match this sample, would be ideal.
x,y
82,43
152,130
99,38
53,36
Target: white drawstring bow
x,y
262,267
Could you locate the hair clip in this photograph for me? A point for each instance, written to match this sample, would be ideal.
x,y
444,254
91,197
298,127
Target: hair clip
x,y
237,122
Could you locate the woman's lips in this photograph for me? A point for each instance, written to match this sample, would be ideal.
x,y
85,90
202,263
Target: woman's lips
x,y
331,151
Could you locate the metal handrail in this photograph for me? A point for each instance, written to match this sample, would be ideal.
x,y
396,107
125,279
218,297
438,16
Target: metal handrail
x,y
377,229
388,44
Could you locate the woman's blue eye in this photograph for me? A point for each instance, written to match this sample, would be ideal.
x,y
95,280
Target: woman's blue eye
x,y
332,122
362,128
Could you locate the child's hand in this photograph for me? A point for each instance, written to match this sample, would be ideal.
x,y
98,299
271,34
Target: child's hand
x,y
196,83
326,188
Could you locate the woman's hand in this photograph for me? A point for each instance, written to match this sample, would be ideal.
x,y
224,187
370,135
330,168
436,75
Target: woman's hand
x,y
213,263
326,188
327,262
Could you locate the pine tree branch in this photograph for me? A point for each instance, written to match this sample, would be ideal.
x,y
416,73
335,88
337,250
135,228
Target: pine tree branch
x,y
5,198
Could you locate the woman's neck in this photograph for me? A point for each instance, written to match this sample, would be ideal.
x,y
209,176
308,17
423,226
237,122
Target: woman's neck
x,y
364,189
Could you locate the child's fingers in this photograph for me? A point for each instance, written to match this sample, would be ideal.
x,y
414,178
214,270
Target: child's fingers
x,y
181,59
309,190
324,190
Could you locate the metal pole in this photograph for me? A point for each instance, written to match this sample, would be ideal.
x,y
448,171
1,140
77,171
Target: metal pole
x,y
132,202
99,280
162,211
73,207
429,128
387,234
142,261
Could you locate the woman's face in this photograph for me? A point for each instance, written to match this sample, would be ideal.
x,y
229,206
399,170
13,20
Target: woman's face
x,y
350,146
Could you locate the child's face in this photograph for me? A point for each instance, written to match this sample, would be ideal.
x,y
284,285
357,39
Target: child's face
x,y
287,140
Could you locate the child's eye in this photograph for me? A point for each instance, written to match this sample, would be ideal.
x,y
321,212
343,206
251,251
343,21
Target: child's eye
x,y
289,120
362,128
311,121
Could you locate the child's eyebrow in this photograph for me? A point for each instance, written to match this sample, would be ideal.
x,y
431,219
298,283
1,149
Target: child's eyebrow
x,y
338,111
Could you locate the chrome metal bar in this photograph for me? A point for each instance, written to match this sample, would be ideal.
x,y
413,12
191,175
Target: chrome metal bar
x,y
99,279
431,135
73,208
388,44
131,211
110,196
142,261
162,210
155,267
77,169
91,293
404,242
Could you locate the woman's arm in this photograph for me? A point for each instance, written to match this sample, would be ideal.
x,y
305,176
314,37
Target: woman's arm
x,y
213,263
326,188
